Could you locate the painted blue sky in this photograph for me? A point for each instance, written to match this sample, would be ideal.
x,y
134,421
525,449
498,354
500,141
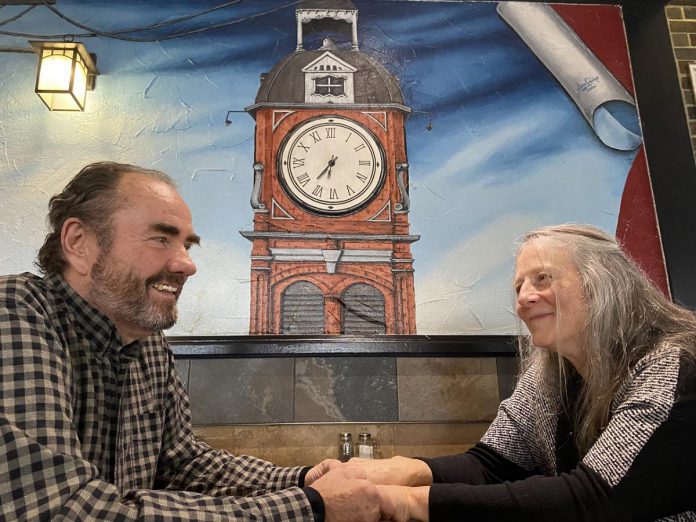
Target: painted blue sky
x,y
508,151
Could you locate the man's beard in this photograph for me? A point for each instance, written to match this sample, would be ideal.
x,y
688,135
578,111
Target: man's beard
x,y
123,295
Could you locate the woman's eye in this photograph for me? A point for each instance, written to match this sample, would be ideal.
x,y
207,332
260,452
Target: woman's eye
x,y
543,278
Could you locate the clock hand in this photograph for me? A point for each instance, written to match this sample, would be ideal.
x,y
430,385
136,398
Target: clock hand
x,y
332,162
327,170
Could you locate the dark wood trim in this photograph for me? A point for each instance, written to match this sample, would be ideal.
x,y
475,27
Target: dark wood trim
x,y
27,2
345,346
667,142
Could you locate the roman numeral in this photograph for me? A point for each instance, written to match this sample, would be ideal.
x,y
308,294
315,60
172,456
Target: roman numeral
x,y
330,132
349,135
303,179
360,147
315,136
298,162
365,163
361,177
317,191
306,149
349,190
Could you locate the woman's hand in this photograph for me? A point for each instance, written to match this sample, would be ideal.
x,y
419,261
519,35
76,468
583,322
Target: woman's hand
x,y
402,504
320,470
398,471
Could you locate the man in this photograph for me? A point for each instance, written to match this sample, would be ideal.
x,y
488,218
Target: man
x,y
94,421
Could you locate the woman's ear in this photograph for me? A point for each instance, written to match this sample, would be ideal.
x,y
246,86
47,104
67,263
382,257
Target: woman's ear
x,y
79,246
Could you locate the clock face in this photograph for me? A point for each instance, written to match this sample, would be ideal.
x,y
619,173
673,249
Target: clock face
x,y
331,165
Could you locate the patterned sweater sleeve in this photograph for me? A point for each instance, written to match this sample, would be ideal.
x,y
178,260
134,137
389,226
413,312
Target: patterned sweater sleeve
x,y
44,476
638,469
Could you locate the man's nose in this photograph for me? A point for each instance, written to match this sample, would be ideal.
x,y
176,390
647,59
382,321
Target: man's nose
x,y
181,263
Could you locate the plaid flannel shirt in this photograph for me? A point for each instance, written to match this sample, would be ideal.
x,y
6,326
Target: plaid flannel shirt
x,y
94,430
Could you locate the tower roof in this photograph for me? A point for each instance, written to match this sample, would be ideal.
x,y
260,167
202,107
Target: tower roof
x,y
286,81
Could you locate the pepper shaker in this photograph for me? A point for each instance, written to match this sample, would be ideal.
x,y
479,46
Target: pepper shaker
x,y
345,447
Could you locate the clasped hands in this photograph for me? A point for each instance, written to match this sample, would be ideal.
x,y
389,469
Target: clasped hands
x,y
394,489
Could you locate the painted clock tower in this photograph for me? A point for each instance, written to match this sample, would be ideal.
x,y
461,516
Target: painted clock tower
x,y
331,248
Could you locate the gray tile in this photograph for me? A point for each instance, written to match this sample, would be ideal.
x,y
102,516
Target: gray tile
x,y
345,389
229,391
447,389
182,368
507,375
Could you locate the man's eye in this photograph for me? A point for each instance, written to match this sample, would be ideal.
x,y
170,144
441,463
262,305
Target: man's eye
x,y
161,239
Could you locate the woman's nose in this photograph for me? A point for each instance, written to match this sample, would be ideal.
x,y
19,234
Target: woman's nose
x,y
527,295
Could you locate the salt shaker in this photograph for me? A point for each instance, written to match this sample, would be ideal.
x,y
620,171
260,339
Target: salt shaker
x,y
345,447
366,449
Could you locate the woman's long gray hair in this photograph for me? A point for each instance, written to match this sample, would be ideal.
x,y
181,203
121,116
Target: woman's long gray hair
x,y
627,317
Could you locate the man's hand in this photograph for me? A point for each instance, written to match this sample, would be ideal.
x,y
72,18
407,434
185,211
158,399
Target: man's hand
x,y
401,504
398,471
347,496
320,469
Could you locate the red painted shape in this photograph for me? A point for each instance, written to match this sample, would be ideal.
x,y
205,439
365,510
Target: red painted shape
x,y
601,28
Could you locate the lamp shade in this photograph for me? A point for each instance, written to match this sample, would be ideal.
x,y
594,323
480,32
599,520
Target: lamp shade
x,y
65,73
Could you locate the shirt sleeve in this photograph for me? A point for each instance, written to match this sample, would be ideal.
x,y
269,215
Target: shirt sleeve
x,y
481,484
480,465
189,464
43,474
579,495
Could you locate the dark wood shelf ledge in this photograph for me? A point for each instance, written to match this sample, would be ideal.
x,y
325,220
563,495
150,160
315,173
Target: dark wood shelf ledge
x,y
331,345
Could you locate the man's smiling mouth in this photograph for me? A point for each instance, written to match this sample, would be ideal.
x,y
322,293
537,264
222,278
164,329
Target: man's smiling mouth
x,y
165,288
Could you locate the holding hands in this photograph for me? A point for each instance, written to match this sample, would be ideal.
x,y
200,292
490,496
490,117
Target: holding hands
x,y
347,495
396,471
394,489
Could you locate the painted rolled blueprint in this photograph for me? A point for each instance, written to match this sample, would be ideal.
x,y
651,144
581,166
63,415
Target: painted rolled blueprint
x,y
602,100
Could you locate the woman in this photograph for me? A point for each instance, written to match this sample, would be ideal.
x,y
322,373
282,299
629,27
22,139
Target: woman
x,y
602,423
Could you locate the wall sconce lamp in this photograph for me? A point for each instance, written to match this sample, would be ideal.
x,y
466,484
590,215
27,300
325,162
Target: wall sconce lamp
x,y
65,73
228,120
429,126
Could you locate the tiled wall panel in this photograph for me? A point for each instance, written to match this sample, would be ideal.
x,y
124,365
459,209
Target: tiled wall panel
x,y
338,389
233,391
447,389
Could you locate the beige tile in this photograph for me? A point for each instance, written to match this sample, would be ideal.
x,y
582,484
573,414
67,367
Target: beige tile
x,y
219,437
308,444
302,444
432,439
447,389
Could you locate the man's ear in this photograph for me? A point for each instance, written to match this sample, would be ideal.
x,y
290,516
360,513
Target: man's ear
x,y
79,246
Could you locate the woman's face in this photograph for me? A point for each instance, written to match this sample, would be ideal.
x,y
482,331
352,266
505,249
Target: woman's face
x,y
550,299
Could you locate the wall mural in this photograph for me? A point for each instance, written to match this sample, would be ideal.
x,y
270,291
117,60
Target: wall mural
x,y
378,161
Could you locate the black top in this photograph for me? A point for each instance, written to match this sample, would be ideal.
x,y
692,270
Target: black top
x,y
653,423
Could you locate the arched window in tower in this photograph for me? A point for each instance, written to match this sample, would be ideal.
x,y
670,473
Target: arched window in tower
x,y
302,309
329,85
362,309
